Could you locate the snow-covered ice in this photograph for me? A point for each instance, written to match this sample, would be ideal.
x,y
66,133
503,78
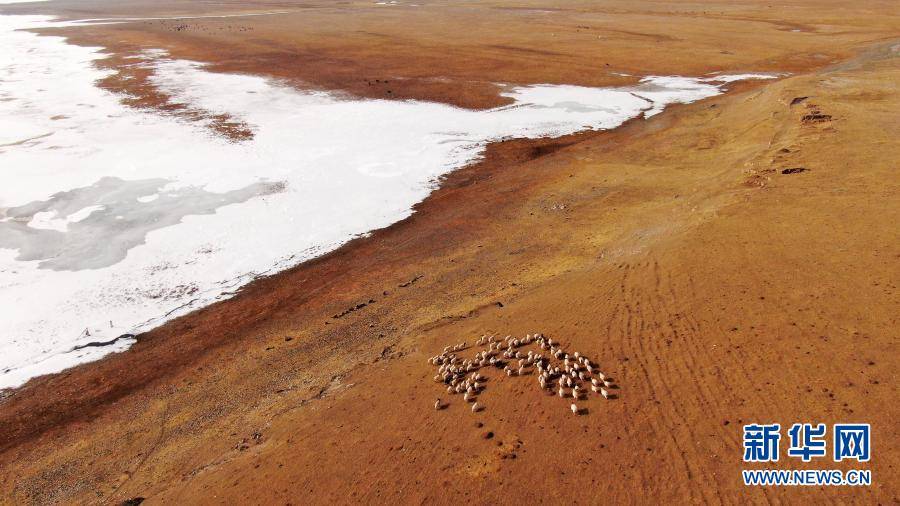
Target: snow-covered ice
x,y
114,220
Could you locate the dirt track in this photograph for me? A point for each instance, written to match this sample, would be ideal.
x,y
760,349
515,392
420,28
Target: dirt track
x,y
716,286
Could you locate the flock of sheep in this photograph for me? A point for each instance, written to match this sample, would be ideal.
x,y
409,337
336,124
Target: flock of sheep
x,y
568,377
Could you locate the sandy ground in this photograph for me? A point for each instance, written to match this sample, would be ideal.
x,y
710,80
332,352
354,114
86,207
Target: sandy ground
x,y
717,287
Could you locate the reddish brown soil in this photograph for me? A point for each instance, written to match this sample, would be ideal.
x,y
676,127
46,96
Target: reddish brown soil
x,y
716,288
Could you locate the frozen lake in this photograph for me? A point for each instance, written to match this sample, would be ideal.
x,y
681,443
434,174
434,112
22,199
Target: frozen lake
x,y
114,220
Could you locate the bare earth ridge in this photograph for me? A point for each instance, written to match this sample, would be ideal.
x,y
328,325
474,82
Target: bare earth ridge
x,y
688,254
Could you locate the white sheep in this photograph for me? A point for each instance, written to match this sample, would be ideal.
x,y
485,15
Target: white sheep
x,y
475,408
437,404
574,409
